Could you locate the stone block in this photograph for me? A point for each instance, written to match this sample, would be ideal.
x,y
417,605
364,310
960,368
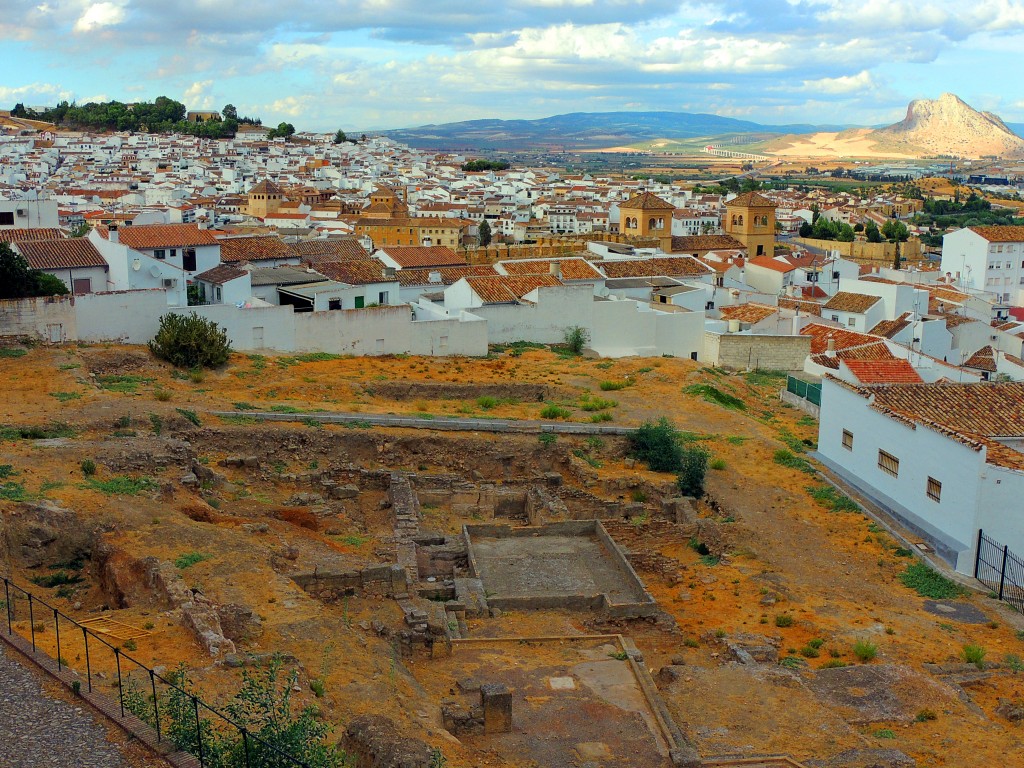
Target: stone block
x,y
496,701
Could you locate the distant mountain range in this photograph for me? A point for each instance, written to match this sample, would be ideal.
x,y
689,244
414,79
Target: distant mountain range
x,y
586,130
600,130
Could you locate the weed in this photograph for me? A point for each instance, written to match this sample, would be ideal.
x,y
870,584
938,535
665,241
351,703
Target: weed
x,y
638,496
714,395
865,650
197,375
49,432
76,687
611,386
925,715
598,404
619,655
354,540
188,559
790,662
597,418
833,664
792,441
816,643
718,464
766,377
317,357
903,552
58,579
149,625
710,560
547,438
1013,663
130,645
783,620
829,497
787,459
736,439
156,423
554,412
584,456
190,415
124,384
161,394
974,654
884,733
317,687
699,547
65,396
929,583
807,421
810,652
691,642
88,467
121,485
487,402
7,352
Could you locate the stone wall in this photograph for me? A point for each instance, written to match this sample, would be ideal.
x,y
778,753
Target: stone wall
x,y
383,580
862,250
745,351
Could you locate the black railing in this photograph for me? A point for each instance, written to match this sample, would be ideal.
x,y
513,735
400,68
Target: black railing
x,y
1000,569
200,736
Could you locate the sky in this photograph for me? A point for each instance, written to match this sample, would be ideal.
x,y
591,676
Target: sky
x,y
377,64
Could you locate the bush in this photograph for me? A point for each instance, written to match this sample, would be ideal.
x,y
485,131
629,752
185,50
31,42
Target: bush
x,y
190,342
929,583
974,654
88,467
659,445
718,464
692,470
554,412
611,386
865,650
576,338
188,559
783,620
547,438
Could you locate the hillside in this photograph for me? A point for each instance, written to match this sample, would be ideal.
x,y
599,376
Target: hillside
x,y
949,126
584,130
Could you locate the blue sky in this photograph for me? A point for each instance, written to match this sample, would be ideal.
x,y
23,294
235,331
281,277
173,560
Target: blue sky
x,y
325,64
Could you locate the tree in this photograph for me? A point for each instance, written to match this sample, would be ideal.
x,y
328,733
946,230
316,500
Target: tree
x,y
871,232
81,230
692,470
845,233
283,131
18,280
659,445
190,342
895,232
340,137
229,112
484,233
815,213
806,230
576,338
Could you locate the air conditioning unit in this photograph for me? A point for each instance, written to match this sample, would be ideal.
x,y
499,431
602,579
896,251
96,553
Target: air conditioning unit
x,y
169,282
21,212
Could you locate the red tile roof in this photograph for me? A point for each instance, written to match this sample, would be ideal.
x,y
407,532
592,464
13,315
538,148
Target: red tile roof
x,y
222,273
571,268
503,289
330,249
875,351
1001,234
447,275
660,266
750,200
355,272
705,243
647,201
748,313
20,235
63,253
150,236
259,247
983,360
423,256
851,302
895,371
822,334
771,263
889,328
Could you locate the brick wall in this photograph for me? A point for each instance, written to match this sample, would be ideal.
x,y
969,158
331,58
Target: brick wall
x,y
743,351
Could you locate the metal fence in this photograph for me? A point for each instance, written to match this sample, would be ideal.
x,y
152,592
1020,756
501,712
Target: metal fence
x,y
1000,569
804,389
178,717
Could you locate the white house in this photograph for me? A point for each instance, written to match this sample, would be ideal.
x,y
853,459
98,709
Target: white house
x,y
185,246
28,214
946,459
225,284
987,259
74,260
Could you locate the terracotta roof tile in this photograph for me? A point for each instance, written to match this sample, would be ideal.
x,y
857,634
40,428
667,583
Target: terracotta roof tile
x,y
808,307
890,328
851,302
1001,234
20,235
895,371
259,247
750,200
447,275
149,236
748,313
423,256
771,263
63,253
647,201
873,351
503,289
983,360
221,274
355,272
330,249
571,269
697,243
660,266
822,334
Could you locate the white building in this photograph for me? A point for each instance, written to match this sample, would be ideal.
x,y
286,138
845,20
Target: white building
x,y
28,214
987,259
946,459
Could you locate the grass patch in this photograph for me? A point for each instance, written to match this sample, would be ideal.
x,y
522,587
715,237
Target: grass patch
x,y
317,357
715,395
736,439
794,443
974,654
58,579
190,415
597,418
783,620
124,384
555,412
7,352
612,386
865,650
188,559
122,485
285,409
765,378
788,459
354,540
12,491
48,432
930,583
717,464
598,404
238,418
829,497
66,396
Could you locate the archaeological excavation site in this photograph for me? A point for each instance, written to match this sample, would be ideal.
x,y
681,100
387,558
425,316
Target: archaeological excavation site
x,y
425,562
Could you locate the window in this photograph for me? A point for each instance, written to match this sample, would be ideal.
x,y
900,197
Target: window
x,y
82,285
334,304
188,260
360,302
847,440
382,297
160,253
888,463
934,489
851,322
174,252
217,294
6,218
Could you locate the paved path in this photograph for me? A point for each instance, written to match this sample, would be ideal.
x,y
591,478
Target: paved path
x,y
41,730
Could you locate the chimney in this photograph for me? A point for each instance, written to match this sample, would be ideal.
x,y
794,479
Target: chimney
x,y
112,234
555,269
434,277
830,348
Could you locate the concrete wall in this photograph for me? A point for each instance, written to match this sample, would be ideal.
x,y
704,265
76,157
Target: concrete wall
x,y
861,249
742,351
128,316
46,318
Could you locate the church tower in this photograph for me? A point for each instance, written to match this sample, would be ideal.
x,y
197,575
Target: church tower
x,y
750,218
647,215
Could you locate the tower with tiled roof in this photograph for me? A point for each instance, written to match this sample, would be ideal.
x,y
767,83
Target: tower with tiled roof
x,y
750,218
647,215
264,199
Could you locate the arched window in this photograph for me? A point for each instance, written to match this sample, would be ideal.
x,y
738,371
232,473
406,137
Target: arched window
x,y
741,219
651,224
734,219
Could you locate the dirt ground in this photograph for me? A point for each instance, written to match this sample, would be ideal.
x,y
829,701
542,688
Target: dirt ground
x,y
834,574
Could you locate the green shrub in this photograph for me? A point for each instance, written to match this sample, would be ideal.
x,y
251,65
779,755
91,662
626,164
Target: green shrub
x,y
161,394
88,467
787,459
122,485
783,620
576,338
547,438
157,423
554,412
810,652
611,386
714,395
974,654
920,577
833,664
597,418
130,645
58,579
189,341
188,559
885,733
692,471
66,396
925,715
487,402
598,404
717,464
190,415
318,688
831,498
659,445
865,650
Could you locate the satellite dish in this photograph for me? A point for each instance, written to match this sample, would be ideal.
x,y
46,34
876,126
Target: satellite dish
x,y
154,271
137,264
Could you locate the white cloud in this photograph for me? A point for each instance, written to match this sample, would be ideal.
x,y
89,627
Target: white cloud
x,y
34,94
197,95
860,82
99,15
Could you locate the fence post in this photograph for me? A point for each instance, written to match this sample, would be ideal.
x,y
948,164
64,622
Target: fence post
x,y
1002,571
88,666
7,604
156,703
120,685
199,732
977,553
32,622
245,746
56,625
